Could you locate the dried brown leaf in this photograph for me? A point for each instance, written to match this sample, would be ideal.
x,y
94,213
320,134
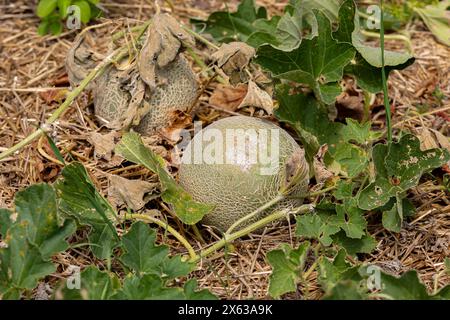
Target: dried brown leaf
x,y
256,97
321,172
104,144
228,97
162,45
233,56
133,193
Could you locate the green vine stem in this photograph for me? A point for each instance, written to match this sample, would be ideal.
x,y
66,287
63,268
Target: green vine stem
x,y
167,227
255,226
400,37
266,206
200,38
383,78
115,56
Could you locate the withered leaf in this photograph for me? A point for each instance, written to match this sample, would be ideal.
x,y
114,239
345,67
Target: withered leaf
x,y
228,97
321,172
256,97
233,56
162,45
133,193
103,144
79,60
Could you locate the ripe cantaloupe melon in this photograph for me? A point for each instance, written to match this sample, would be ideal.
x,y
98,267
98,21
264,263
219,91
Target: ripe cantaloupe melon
x,y
237,188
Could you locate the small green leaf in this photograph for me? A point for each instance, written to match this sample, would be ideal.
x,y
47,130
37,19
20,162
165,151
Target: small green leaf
x,y
436,18
235,26
406,287
45,8
94,285
5,221
37,206
85,10
398,169
353,246
147,287
344,189
142,255
332,271
103,241
63,5
346,290
317,226
188,210
79,198
359,132
447,264
192,294
21,263
43,28
173,267
366,66
287,264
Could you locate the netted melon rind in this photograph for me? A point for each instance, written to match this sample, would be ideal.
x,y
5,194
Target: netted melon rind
x,y
178,93
110,100
236,192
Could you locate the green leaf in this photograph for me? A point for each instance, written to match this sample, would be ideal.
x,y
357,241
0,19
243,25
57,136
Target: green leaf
x,y
236,26
43,27
398,169
366,66
447,265
147,287
142,255
353,246
320,70
287,264
85,10
344,189
436,18
406,287
45,8
285,33
328,7
359,132
63,5
350,219
79,198
346,290
317,226
103,241
332,271
5,221
21,263
37,206
173,267
188,210
94,285
306,115
192,294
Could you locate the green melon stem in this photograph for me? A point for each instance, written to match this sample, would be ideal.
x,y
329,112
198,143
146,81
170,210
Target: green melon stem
x,y
200,38
255,226
168,228
264,207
